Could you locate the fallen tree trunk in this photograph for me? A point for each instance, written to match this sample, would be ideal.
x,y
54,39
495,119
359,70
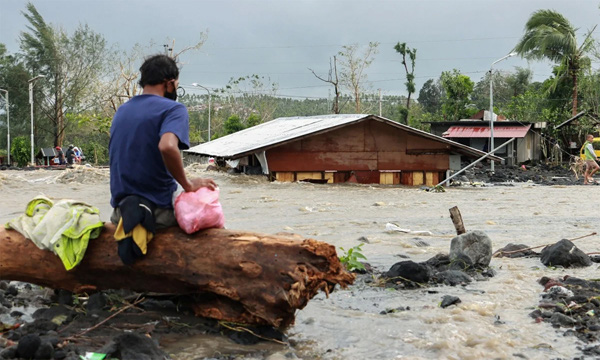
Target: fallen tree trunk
x,y
233,275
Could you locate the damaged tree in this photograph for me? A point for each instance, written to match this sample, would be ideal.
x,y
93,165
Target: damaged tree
x,y
235,276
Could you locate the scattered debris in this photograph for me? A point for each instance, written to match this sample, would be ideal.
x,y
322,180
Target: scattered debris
x,y
81,175
392,228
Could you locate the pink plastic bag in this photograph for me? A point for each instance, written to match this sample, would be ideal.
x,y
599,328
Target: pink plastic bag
x,y
199,210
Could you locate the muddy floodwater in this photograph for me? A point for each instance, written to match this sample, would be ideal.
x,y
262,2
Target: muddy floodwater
x,y
491,321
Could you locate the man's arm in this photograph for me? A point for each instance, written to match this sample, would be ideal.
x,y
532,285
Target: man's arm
x,y
169,149
590,147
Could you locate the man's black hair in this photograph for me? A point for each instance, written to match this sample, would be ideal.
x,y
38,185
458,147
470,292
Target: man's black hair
x,y
158,68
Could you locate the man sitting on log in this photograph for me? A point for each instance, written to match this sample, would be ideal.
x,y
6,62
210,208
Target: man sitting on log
x,y
146,137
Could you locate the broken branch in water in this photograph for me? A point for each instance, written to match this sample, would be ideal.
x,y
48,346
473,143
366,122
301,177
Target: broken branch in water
x,y
500,253
240,328
105,320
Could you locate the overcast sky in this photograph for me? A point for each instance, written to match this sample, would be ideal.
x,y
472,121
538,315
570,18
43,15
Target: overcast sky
x,y
281,39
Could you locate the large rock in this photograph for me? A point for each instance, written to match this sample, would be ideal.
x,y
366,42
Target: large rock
x,y
408,270
474,245
565,254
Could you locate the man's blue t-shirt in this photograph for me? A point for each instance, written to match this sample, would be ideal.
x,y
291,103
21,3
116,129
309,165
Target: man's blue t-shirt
x,y
136,164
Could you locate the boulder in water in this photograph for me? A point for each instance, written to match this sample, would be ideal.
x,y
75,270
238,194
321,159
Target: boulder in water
x,y
408,270
564,253
474,245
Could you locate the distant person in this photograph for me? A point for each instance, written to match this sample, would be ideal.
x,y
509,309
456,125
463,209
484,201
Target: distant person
x,y
146,136
70,155
60,156
78,155
591,166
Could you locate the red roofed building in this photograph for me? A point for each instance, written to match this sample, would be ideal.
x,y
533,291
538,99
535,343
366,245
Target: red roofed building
x,y
476,132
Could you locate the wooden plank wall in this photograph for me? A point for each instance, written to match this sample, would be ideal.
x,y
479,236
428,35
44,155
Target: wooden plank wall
x,y
365,148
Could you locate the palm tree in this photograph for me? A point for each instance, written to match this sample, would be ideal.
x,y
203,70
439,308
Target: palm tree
x,y
549,35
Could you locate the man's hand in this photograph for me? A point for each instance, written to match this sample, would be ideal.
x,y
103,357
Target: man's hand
x,y
197,183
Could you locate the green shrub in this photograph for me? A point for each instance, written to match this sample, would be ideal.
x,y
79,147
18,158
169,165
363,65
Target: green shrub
x,y
95,152
20,150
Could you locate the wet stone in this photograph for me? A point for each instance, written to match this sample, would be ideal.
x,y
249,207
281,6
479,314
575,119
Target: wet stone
x,y
3,285
461,262
396,310
96,302
28,345
54,313
408,271
364,240
132,346
564,253
12,290
514,247
453,277
16,314
13,335
475,245
59,355
45,351
448,300
64,297
488,273
592,350
559,319
40,326
9,353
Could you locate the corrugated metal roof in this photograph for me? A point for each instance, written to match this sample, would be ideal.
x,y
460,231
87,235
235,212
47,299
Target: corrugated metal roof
x,y
484,131
282,130
566,122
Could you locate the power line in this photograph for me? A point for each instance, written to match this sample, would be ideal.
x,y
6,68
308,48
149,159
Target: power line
x,y
340,45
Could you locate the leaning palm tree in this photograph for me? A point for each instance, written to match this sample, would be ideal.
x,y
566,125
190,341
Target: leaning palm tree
x,y
549,35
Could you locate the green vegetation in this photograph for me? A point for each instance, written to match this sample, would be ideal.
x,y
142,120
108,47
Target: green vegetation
x,y
20,150
350,259
86,80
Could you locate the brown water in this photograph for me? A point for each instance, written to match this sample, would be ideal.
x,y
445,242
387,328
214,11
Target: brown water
x,y
348,324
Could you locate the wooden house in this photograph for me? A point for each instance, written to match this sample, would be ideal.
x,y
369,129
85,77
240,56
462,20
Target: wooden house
x,y
340,148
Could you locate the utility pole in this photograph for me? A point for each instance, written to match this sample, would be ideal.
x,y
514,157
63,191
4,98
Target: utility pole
x,y
7,125
380,98
31,82
209,98
492,103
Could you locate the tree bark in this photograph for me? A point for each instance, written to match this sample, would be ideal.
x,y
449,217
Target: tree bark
x,y
232,275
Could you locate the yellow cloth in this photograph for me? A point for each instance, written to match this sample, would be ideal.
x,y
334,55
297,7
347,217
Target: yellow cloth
x,y
140,235
65,227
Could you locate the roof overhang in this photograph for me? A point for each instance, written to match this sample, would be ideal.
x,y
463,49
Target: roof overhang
x,y
567,122
485,131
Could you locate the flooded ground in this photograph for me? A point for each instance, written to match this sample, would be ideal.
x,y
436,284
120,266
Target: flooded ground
x,y
491,321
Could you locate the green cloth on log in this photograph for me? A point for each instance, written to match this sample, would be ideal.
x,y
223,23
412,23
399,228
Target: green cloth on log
x,y
64,227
